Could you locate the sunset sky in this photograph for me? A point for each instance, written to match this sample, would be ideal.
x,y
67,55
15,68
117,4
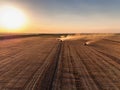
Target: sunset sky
x,y
68,16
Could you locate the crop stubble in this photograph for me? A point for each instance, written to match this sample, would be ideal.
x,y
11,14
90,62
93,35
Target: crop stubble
x,y
48,64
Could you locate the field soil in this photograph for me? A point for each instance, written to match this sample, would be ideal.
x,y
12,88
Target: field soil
x,y
37,63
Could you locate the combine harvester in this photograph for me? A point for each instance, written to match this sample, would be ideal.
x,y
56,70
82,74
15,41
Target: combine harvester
x,y
86,43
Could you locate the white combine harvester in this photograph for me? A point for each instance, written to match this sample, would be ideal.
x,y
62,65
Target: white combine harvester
x,y
86,43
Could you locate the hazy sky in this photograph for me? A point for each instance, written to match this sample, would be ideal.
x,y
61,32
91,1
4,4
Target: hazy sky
x,y
70,15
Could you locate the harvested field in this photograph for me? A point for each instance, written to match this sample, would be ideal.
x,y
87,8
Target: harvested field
x,y
37,63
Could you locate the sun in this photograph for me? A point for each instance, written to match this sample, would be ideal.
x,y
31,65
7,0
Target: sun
x,y
11,18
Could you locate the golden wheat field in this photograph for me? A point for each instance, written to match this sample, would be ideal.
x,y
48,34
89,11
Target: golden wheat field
x,y
68,62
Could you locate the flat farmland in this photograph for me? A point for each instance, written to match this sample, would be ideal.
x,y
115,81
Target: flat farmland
x,y
41,63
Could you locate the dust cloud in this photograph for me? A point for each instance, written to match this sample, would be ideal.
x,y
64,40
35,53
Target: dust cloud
x,y
89,38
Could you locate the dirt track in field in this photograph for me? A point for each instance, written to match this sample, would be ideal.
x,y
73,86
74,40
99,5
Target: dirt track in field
x,y
37,63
